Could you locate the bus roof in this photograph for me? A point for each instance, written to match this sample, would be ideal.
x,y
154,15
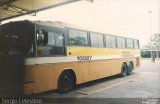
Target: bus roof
x,y
63,25
57,24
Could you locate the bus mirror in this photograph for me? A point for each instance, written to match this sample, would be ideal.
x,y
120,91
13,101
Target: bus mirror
x,y
42,37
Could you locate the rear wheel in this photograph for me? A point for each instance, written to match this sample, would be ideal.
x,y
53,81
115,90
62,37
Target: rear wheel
x,y
130,69
66,82
123,70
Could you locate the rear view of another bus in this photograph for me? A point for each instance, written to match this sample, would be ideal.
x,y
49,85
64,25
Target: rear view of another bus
x,y
16,43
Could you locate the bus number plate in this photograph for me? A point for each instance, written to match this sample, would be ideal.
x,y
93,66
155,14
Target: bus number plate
x,y
84,58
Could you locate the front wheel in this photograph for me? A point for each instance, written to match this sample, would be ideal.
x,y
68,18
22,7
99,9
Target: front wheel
x,y
123,70
66,82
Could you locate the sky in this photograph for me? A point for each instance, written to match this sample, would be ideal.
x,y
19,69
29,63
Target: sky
x,y
129,18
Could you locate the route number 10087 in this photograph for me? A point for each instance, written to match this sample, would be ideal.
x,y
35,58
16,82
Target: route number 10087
x,y
84,58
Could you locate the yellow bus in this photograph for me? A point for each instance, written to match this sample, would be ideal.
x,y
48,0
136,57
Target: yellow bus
x,y
42,56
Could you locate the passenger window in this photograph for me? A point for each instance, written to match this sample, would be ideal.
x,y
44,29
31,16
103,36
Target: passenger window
x,y
59,40
100,41
129,43
79,38
42,37
110,41
53,46
94,40
97,40
136,44
51,39
121,42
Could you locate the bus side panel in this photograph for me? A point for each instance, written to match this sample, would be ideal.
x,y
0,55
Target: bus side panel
x,y
82,73
115,65
44,79
28,88
99,69
136,62
83,68
136,58
45,76
29,79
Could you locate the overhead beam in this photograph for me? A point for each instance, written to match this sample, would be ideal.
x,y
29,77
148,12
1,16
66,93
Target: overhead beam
x,y
20,10
33,11
5,2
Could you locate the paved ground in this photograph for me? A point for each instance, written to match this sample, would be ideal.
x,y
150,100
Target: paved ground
x,y
144,83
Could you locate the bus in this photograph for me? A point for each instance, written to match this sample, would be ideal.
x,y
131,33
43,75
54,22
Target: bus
x,y
39,56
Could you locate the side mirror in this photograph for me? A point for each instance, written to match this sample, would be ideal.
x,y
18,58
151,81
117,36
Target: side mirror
x,y
42,37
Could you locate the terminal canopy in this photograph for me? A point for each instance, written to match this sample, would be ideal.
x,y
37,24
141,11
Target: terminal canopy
x,y
13,8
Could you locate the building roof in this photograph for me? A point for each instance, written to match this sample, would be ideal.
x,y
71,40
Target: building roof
x,y
13,8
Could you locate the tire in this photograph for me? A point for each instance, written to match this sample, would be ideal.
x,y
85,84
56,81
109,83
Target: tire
x,y
65,82
123,70
130,69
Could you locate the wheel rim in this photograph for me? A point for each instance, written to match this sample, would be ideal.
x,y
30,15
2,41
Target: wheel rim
x,y
66,82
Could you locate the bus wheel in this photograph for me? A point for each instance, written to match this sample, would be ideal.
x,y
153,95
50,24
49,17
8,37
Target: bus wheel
x,y
123,70
130,69
66,82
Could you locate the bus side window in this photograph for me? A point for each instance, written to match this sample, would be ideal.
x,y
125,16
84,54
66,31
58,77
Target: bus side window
x,y
121,43
136,44
97,40
110,41
53,46
59,49
42,37
78,38
130,43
